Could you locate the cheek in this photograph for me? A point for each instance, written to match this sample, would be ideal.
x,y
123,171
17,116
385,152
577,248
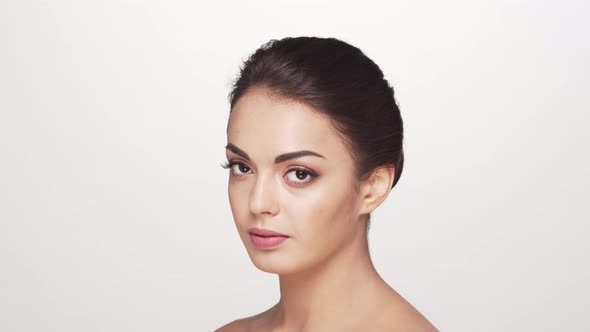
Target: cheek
x,y
322,215
238,200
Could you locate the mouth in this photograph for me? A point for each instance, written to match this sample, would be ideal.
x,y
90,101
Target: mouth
x,y
265,232
267,242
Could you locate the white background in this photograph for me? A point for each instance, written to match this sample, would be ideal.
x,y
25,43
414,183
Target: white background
x,y
113,207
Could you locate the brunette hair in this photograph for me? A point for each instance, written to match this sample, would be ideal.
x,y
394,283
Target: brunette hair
x,y
340,81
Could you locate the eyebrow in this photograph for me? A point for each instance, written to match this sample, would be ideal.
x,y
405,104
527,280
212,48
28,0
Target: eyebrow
x,y
280,158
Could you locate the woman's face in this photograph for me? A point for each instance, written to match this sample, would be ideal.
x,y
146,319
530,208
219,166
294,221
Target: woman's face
x,y
310,198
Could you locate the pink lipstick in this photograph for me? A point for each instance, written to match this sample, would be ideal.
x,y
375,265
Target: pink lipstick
x,y
266,239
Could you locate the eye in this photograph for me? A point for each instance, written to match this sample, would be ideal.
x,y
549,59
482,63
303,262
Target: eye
x,y
300,175
296,175
237,168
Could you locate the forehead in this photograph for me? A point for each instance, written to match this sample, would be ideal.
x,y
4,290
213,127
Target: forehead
x,y
266,125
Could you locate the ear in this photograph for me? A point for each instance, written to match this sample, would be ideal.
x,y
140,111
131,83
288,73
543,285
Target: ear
x,y
376,188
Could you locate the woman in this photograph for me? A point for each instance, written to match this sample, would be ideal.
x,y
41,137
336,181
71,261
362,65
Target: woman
x,y
314,144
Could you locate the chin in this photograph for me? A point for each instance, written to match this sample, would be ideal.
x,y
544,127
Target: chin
x,y
273,262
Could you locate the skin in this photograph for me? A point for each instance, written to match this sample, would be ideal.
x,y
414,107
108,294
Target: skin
x,y
327,280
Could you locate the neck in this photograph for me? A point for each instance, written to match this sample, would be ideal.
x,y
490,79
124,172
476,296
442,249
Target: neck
x,y
326,293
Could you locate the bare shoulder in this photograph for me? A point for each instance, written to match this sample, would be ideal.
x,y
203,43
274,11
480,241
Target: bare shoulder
x,y
238,325
245,324
394,313
406,322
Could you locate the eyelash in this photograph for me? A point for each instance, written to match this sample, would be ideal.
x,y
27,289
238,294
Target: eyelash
x,y
312,175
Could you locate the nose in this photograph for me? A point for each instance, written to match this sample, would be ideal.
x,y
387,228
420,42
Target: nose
x,y
263,197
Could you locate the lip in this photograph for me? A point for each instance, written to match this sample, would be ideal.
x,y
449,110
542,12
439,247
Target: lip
x,y
264,232
266,239
267,242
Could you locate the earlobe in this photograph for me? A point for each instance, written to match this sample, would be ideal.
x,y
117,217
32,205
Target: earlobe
x,y
376,188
